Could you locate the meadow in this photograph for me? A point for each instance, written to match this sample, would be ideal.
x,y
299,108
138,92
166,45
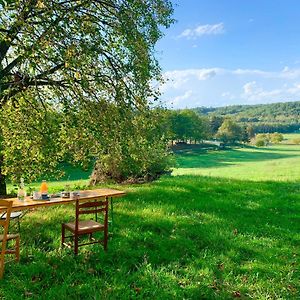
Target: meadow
x,y
276,163
225,225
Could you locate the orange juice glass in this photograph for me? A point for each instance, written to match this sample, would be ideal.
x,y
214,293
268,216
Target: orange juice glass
x,y
44,187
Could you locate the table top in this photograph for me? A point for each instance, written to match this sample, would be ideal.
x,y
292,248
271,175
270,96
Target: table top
x,y
29,203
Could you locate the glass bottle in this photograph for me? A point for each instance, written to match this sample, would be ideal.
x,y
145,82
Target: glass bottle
x,y
44,188
21,190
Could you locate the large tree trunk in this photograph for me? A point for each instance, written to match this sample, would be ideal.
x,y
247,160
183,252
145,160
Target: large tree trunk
x,y
2,180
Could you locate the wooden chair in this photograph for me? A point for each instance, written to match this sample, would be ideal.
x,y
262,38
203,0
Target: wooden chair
x,y
87,227
5,237
14,216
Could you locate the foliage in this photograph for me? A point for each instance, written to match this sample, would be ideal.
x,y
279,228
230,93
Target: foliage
x,y
215,123
263,139
276,137
229,132
30,140
250,131
136,151
187,125
75,59
74,51
264,118
260,143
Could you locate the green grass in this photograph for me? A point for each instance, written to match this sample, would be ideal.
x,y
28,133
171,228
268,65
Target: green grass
x,y
232,234
279,163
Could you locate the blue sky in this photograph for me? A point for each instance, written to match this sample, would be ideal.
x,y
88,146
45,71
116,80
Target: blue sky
x,y
225,52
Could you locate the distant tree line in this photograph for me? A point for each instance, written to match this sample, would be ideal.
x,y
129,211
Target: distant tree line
x,y
265,118
187,126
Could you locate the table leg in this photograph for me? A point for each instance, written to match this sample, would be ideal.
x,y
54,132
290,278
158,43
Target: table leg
x,y
112,213
96,216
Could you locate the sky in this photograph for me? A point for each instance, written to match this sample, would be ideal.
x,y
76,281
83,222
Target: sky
x,y
227,52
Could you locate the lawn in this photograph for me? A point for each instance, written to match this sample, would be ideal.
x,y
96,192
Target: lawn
x,y
225,226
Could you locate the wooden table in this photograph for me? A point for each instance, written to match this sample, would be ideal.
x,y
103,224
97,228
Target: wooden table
x,y
86,195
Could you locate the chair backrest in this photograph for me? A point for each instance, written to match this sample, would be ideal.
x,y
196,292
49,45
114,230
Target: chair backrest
x,y
91,207
5,207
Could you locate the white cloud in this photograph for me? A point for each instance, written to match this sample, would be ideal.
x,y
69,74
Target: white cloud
x,y
295,89
213,86
208,29
177,100
178,78
290,73
250,88
201,74
255,93
252,72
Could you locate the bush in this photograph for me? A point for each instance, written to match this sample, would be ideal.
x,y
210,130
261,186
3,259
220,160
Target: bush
x,y
138,153
276,137
263,139
137,163
260,143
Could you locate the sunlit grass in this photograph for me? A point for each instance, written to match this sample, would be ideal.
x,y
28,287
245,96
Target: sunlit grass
x,y
279,163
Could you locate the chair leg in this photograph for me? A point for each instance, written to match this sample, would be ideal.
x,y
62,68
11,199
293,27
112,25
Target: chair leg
x,y
18,248
19,226
75,244
105,239
1,267
62,235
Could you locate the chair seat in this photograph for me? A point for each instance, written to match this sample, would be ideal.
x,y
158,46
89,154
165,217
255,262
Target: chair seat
x,y
9,236
84,227
13,215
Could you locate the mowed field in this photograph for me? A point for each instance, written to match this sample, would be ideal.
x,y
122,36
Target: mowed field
x,y
279,163
225,225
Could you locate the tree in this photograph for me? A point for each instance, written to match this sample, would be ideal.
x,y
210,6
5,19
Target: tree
x,y
67,55
31,146
260,143
262,139
276,137
229,132
200,129
250,131
137,150
186,125
215,123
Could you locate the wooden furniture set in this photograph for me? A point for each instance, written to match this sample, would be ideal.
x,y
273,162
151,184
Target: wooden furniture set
x,y
87,202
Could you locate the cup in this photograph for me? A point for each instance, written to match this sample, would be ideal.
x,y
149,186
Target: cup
x,y
74,194
65,194
36,195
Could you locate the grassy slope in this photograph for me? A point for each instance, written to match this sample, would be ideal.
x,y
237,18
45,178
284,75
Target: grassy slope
x,y
184,236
